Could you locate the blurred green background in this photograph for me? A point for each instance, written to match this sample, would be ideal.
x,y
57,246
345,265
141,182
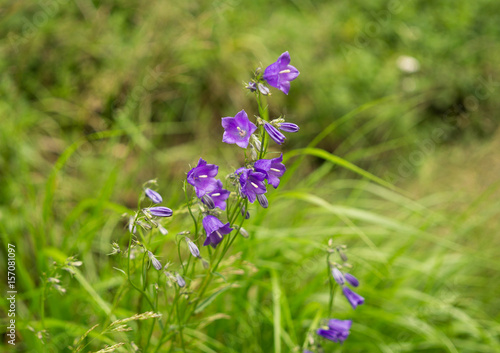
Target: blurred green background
x,y
99,96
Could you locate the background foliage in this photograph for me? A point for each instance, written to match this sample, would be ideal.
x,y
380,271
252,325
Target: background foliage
x,y
99,96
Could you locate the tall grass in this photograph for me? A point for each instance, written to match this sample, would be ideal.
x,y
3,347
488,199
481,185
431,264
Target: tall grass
x,y
81,131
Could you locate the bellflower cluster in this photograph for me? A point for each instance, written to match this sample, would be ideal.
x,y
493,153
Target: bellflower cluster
x,y
217,207
338,330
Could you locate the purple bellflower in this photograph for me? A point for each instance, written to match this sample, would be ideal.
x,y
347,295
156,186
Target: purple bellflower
x,y
202,177
288,127
160,211
273,168
353,281
215,230
218,195
153,195
338,330
238,129
354,298
252,184
280,73
273,133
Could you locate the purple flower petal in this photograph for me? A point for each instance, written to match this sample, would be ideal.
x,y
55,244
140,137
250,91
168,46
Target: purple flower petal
x,y
238,129
273,133
280,73
160,211
353,281
215,230
353,298
153,195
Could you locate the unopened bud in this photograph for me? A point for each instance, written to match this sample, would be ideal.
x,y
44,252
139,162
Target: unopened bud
x,y
193,248
337,276
180,281
244,232
263,200
154,261
162,229
263,89
207,200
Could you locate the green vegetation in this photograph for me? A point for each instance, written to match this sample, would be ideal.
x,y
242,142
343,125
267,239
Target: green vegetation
x,y
98,97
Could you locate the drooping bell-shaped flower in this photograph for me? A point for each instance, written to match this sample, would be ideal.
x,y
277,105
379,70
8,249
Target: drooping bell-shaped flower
x,y
273,133
273,168
215,230
280,73
252,184
153,195
202,177
337,331
238,129
354,298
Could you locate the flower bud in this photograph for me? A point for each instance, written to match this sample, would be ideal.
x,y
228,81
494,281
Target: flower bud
x,y
193,248
337,276
153,195
353,281
244,232
160,211
263,200
207,200
162,230
154,261
263,89
288,127
180,281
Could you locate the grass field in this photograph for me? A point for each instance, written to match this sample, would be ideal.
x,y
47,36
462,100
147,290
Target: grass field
x,y
396,158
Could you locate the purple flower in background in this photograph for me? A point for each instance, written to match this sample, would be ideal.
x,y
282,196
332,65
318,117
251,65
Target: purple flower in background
x,y
238,129
273,133
353,281
252,184
160,211
288,127
338,276
153,195
202,177
273,168
353,298
338,330
280,73
218,195
215,230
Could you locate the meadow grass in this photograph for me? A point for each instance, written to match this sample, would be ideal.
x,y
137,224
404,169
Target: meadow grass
x,y
104,96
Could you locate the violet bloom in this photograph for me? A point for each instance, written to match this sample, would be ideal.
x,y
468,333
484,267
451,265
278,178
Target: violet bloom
x,y
153,195
288,127
353,298
160,211
273,133
202,177
353,281
273,168
338,330
252,184
280,73
218,195
238,129
215,230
